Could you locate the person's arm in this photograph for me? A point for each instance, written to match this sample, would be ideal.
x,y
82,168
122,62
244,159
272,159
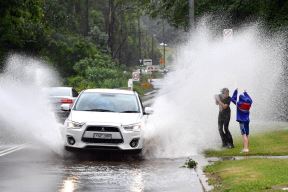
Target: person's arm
x,y
246,94
224,106
217,99
234,96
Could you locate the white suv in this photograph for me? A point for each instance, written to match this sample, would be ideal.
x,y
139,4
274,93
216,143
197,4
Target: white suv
x,y
106,119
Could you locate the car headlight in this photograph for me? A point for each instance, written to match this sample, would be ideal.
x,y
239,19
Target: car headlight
x,y
74,125
133,127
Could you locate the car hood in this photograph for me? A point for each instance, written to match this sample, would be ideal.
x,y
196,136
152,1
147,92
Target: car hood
x,y
105,117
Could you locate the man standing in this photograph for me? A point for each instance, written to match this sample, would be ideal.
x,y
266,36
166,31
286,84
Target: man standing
x,y
223,100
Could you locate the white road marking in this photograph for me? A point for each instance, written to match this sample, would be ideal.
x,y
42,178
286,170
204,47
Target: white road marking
x,y
11,150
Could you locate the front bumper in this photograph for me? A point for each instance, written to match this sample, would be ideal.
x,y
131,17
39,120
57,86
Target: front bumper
x,y
121,138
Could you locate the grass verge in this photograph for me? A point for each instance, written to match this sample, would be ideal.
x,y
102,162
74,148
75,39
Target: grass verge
x,y
268,143
248,175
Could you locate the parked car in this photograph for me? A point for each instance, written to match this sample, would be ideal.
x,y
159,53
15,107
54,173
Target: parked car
x,y
106,119
59,96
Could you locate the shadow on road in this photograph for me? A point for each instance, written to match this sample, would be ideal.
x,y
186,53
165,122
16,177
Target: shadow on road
x,y
96,155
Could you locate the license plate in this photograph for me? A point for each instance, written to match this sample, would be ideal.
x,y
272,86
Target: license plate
x,y
102,136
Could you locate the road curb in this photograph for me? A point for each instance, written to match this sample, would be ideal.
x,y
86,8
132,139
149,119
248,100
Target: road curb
x,y
203,179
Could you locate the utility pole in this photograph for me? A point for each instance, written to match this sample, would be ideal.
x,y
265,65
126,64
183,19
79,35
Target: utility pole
x,y
191,14
163,34
164,55
139,41
152,51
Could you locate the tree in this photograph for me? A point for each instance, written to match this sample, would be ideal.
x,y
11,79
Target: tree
x,y
21,26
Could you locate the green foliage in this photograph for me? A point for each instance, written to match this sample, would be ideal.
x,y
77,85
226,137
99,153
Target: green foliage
x,y
84,40
98,71
268,143
190,163
21,25
137,87
273,13
176,12
248,175
65,50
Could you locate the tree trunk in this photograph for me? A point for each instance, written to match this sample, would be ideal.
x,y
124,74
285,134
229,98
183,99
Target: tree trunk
x,y
86,19
111,26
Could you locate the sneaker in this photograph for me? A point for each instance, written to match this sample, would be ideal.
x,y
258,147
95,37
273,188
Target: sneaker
x,y
244,151
230,146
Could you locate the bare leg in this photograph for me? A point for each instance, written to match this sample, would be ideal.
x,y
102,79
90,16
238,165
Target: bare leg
x,y
245,142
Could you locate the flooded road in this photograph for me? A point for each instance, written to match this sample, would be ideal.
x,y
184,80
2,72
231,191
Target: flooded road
x,y
36,169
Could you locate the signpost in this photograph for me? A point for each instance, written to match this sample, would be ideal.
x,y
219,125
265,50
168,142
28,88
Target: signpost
x,y
227,34
130,84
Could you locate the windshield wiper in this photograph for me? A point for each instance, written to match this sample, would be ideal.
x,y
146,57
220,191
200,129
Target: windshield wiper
x,y
99,110
129,112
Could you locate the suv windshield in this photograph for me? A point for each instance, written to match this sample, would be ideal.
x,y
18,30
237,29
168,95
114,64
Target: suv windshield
x,y
107,102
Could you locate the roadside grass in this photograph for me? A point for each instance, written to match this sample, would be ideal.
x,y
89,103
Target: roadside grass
x,y
272,143
248,175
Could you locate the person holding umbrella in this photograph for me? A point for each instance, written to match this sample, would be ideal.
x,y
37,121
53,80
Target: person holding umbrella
x,y
243,105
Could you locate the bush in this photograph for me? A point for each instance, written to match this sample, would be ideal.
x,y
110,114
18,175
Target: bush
x,y
190,163
98,71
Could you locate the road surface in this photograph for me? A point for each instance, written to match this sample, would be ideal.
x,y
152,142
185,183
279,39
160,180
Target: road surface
x,y
32,169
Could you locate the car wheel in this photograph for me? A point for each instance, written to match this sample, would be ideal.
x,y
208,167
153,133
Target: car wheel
x,y
70,149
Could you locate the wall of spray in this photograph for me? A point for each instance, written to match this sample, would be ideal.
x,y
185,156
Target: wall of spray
x,y
25,114
185,118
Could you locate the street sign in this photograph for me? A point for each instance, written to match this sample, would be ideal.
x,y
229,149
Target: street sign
x,y
150,68
136,76
227,34
147,62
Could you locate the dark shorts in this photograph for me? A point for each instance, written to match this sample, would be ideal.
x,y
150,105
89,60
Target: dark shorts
x,y
244,128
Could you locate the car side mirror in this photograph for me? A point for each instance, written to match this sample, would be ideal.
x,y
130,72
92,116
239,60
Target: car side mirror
x,y
66,107
148,110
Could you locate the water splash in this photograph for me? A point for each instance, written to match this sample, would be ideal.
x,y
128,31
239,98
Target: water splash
x,y
185,118
25,112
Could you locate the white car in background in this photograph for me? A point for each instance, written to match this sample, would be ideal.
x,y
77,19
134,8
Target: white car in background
x,y
106,119
59,96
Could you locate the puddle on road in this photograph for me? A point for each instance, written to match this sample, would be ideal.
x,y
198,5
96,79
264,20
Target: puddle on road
x,y
35,169
129,175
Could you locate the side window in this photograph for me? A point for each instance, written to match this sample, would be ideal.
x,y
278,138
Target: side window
x,y
74,93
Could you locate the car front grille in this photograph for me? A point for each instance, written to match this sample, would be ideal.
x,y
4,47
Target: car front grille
x,y
102,147
95,140
102,129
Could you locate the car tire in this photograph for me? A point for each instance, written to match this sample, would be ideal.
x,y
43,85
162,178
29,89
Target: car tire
x,y
70,149
136,151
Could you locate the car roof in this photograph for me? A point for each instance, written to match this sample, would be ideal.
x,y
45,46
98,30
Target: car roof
x,y
110,91
61,87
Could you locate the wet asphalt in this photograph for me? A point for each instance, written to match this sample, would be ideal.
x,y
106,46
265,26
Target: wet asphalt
x,y
36,169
